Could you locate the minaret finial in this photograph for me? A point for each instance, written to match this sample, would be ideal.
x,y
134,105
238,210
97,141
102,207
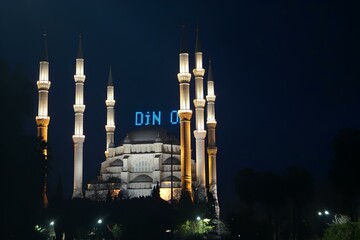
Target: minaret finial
x,y
183,47
80,51
197,44
45,56
210,73
110,80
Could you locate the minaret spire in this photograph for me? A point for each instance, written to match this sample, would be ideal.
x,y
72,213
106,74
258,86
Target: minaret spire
x,y
185,114
200,132
45,57
212,149
43,119
110,119
79,136
110,78
80,50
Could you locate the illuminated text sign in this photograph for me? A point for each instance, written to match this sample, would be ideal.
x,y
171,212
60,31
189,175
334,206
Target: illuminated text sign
x,y
154,118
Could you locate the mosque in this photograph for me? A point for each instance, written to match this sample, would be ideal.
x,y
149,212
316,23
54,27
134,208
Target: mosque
x,y
148,157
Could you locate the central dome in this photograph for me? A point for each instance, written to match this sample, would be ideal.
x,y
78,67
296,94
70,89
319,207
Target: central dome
x,y
150,134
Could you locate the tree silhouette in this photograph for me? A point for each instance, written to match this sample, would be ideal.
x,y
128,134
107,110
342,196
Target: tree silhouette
x,y
21,173
272,202
345,169
299,187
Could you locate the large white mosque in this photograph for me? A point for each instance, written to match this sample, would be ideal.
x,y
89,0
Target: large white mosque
x,y
148,157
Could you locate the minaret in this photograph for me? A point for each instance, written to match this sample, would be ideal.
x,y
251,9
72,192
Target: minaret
x,y
43,119
212,149
200,132
185,114
110,117
78,136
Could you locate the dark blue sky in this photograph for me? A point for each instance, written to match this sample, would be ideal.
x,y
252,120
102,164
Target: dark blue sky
x,y
286,73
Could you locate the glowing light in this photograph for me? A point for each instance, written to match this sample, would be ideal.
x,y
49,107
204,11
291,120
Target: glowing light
x,y
99,221
52,223
319,213
198,218
326,212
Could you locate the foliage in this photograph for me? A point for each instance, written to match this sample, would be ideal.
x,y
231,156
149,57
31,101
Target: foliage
x,y
117,231
340,219
346,231
194,229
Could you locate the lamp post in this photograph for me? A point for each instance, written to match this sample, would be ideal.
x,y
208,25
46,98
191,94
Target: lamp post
x,y
324,216
99,222
52,230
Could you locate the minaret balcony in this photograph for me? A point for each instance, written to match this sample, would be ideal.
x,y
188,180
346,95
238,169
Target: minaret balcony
x,y
210,98
199,103
110,103
79,108
78,138
184,77
199,72
109,128
43,85
211,123
79,78
185,114
42,121
200,134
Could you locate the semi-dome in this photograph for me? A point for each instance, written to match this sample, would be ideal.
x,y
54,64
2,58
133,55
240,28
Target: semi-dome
x,y
150,134
117,163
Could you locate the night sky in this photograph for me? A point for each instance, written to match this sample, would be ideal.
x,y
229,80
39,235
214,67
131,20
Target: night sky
x,y
286,74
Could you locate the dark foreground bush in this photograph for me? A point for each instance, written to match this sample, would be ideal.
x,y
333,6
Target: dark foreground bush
x,y
345,231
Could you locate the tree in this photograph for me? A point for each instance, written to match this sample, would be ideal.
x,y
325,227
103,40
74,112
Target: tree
x,y
156,191
247,186
345,231
267,197
21,173
344,170
299,188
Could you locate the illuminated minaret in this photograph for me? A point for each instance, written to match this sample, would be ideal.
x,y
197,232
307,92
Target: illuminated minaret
x,y
185,114
78,136
110,118
200,132
42,119
211,127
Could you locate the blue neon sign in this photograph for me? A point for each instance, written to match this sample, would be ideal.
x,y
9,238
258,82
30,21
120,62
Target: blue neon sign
x,y
154,118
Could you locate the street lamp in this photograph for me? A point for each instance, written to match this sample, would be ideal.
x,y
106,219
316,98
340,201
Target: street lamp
x,y
325,212
325,219
51,228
